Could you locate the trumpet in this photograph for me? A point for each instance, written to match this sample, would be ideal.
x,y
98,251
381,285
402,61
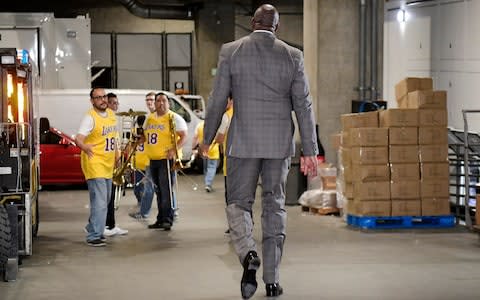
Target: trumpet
x,y
177,163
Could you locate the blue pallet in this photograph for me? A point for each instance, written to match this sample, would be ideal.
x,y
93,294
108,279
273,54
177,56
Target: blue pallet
x,y
401,222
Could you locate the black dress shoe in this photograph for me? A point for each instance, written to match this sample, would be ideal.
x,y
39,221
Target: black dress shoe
x,y
273,290
248,285
165,225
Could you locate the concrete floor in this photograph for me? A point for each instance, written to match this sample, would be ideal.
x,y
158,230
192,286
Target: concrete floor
x,y
324,259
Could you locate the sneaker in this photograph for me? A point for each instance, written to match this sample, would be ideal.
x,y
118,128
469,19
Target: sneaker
x,y
208,189
103,239
108,232
165,225
96,243
137,215
119,231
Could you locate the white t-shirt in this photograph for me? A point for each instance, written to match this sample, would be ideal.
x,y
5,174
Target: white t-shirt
x,y
224,124
180,124
87,123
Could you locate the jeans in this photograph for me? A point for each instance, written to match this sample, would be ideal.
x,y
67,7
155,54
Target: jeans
x,y
100,190
209,170
143,190
163,189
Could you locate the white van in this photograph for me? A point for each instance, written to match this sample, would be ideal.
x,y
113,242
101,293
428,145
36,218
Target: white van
x,y
65,109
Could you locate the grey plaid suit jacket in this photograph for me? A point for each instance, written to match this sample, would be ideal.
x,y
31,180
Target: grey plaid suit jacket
x,y
267,80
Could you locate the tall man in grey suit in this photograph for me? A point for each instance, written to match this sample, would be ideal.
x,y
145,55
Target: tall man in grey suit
x,y
266,78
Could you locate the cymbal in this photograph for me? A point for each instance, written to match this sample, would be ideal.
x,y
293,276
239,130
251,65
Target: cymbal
x,y
131,113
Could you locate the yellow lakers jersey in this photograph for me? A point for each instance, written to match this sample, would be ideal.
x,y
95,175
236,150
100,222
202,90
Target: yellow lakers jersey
x,y
103,137
141,160
158,137
214,150
229,113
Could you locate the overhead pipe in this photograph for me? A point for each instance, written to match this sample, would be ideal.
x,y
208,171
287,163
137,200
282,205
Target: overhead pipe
x,y
160,12
373,51
362,51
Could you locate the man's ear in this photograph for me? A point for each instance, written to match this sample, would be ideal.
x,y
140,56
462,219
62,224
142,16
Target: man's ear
x,y
276,27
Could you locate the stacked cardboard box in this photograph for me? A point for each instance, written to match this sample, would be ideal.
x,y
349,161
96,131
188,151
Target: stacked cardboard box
x,y
364,161
416,94
395,162
403,160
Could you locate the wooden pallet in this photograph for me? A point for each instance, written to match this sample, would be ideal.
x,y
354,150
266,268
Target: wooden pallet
x,y
321,210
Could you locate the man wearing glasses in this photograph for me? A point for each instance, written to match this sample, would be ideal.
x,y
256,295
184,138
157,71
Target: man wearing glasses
x,y
97,138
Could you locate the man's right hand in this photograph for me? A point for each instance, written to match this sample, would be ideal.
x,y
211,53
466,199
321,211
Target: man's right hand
x,y
311,164
88,149
204,150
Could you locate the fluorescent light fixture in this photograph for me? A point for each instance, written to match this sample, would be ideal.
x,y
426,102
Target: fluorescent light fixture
x,y
401,16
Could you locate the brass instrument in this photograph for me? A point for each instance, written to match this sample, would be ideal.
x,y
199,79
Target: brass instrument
x,y
118,178
131,113
177,163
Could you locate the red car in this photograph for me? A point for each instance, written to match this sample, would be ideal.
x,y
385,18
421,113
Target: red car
x,y
59,158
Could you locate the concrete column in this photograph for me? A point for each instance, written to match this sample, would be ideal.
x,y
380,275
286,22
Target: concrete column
x,y
331,59
214,26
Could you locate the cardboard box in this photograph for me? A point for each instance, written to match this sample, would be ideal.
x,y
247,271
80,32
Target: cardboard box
x,y
336,141
410,84
368,136
435,207
426,83
403,135
348,173
398,117
409,171
432,117
381,208
435,188
345,157
427,99
434,170
365,173
369,155
420,99
433,153
432,135
406,207
329,182
348,190
345,140
402,102
374,190
403,154
402,190
349,207
406,85
367,119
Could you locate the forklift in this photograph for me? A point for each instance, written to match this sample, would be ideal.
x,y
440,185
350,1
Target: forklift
x,y
19,161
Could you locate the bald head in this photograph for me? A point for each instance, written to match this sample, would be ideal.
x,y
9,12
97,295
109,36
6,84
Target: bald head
x,y
265,18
